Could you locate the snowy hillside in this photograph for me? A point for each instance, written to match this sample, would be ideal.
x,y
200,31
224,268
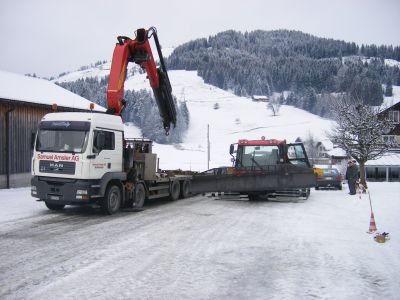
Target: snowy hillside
x,y
103,70
237,118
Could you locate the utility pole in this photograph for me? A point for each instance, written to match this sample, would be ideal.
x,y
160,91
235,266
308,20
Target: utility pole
x,y
208,146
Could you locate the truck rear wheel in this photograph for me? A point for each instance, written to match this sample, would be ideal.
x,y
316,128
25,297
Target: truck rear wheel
x,y
53,206
139,196
185,189
175,190
112,200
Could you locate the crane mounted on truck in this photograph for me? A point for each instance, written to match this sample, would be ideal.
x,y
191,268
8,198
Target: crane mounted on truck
x,y
83,158
261,168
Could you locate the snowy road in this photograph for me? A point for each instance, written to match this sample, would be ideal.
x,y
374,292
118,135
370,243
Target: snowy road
x,y
202,248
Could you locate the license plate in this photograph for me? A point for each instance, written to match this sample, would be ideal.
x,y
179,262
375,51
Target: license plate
x,y
328,178
54,198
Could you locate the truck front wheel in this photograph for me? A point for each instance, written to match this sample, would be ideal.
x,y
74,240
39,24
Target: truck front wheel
x,y
52,206
112,200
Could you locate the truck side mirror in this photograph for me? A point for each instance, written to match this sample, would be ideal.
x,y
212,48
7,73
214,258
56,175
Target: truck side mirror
x,y
33,135
231,149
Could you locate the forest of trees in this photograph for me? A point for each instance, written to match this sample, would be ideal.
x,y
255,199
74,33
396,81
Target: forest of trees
x,y
263,62
141,109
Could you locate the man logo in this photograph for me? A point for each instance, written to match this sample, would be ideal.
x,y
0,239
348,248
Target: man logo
x,y
56,166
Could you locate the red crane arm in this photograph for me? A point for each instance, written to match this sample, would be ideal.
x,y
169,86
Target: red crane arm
x,y
139,52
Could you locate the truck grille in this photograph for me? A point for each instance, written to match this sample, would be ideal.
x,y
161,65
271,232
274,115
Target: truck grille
x,y
59,167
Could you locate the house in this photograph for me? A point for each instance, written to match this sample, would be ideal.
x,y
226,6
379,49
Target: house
x,y
393,113
387,167
23,102
260,98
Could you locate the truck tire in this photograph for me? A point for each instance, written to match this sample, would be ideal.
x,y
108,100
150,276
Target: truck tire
x,y
185,189
52,206
305,193
112,200
139,196
174,190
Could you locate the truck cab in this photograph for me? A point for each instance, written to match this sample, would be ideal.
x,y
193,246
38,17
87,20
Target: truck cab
x,y
75,155
265,154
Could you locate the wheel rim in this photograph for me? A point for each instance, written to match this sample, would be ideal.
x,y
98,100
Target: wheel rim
x,y
114,199
139,197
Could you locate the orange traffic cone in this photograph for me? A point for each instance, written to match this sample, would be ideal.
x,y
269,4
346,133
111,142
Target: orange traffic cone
x,y
372,225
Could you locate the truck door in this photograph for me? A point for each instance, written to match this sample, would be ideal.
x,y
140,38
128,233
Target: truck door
x,y
107,152
296,154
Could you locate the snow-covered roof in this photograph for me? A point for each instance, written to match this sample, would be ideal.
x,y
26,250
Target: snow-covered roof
x,y
338,152
327,144
389,159
259,97
29,89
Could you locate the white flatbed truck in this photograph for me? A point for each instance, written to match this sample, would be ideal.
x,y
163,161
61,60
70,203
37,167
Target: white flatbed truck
x,y
82,158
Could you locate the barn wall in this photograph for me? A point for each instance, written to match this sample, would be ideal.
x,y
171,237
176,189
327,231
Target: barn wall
x,y
23,122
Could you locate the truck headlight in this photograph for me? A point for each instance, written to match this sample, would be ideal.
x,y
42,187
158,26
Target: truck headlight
x,y
81,192
82,195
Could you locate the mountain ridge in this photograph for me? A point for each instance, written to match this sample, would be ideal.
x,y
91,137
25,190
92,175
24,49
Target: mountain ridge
x,y
263,62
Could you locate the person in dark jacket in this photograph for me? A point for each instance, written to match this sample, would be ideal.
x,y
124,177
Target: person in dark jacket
x,y
352,176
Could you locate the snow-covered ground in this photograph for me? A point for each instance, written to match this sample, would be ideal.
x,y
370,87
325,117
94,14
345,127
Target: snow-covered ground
x,y
201,248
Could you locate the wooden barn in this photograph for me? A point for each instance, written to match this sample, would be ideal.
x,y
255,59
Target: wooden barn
x,y
23,102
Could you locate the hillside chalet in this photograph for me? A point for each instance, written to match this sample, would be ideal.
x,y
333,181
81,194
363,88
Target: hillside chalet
x,y
387,168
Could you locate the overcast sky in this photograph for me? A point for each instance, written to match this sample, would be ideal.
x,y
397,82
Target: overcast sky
x,y
48,37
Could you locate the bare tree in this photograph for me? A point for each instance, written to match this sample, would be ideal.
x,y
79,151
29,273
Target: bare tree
x,y
310,144
274,104
359,130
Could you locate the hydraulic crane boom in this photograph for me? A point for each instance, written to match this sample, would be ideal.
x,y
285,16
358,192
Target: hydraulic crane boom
x,y
139,52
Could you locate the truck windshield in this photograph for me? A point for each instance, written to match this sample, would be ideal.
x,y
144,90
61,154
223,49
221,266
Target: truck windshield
x,y
250,156
62,136
68,141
